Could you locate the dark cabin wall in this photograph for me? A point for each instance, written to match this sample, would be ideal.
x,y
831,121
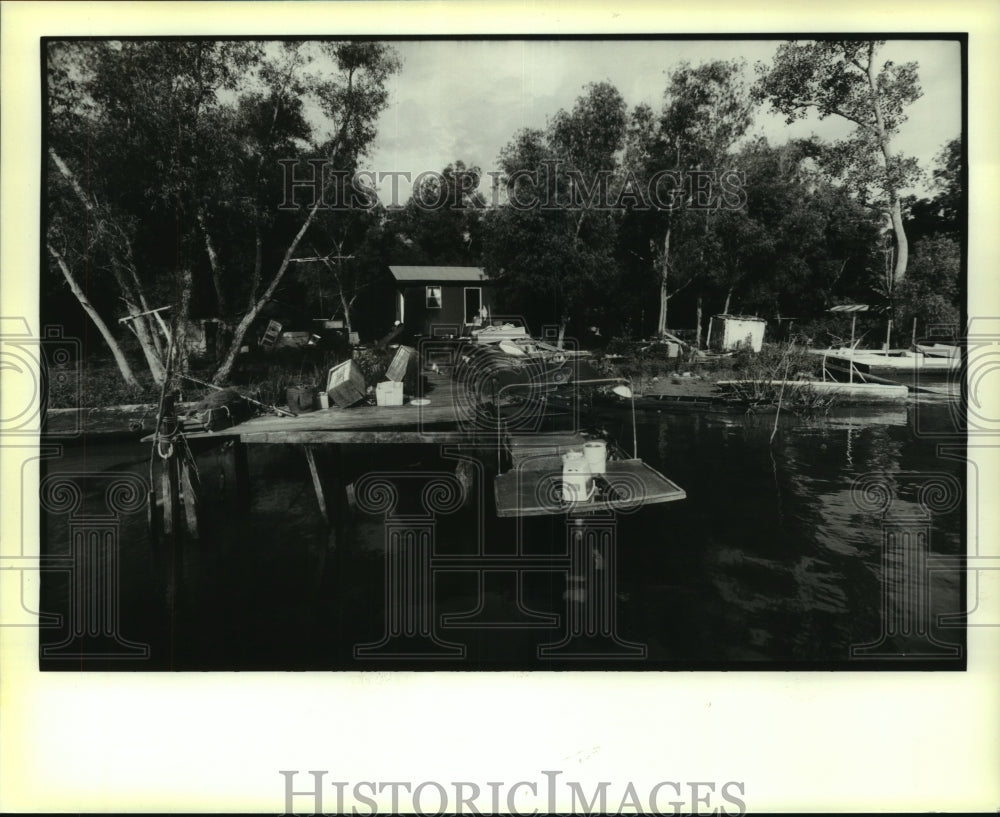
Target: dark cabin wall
x,y
420,320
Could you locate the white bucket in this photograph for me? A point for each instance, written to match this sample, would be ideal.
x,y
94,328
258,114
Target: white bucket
x,y
596,453
578,484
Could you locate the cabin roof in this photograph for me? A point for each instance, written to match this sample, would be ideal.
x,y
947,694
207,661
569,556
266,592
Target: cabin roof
x,y
439,274
727,317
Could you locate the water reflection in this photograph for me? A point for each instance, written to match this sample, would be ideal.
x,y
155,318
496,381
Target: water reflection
x,y
770,561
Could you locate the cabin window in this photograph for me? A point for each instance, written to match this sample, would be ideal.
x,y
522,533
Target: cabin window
x,y
433,297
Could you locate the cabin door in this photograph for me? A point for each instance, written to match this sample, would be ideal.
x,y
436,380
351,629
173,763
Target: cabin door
x,y
473,303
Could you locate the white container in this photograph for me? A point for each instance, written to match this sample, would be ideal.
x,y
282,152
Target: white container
x,y
596,454
578,483
389,393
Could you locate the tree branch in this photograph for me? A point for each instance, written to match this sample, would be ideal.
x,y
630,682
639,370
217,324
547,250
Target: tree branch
x,y
830,109
102,327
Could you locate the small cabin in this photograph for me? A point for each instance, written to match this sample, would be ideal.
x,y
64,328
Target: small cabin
x,y
441,301
730,332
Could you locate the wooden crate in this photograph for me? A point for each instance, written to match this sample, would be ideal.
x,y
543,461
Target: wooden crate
x,y
405,357
389,393
345,384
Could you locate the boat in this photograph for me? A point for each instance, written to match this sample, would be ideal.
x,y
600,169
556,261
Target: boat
x,y
497,331
893,366
484,371
945,350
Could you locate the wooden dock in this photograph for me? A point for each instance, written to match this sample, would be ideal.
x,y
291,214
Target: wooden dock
x,y
445,419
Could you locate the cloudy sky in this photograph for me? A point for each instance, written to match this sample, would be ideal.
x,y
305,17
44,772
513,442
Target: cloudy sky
x,y
466,99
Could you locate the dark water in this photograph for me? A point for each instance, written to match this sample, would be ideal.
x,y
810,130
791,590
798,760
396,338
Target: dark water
x,y
771,561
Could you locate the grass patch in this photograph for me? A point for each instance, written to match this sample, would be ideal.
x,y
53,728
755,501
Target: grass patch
x,y
757,374
263,376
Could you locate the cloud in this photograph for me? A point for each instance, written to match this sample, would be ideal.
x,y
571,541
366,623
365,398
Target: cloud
x,y
466,99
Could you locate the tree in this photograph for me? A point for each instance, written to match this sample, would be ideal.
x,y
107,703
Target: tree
x,y
441,221
842,78
706,111
931,291
170,151
555,238
944,212
131,127
352,256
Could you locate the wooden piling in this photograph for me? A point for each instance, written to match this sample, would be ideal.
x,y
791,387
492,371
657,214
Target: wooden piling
x,y
317,485
190,499
241,468
173,478
167,498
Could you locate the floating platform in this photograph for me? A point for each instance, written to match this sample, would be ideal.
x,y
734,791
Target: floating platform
x,y
533,488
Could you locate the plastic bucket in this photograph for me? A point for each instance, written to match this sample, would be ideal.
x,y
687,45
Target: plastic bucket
x,y
577,481
596,454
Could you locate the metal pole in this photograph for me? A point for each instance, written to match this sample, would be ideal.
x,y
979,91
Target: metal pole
x,y
635,434
850,366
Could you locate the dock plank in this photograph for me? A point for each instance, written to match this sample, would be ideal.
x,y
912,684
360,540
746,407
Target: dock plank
x,y
436,422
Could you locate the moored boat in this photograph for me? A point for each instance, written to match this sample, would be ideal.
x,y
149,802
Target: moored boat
x,y
902,366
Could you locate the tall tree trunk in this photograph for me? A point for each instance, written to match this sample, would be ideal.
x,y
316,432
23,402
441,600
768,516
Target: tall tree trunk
x,y
661,326
244,325
134,298
697,330
183,322
902,245
347,310
142,333
213,262
895,214
102,327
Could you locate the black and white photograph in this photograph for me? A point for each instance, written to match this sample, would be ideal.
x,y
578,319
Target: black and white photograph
x,y
370,364
624,360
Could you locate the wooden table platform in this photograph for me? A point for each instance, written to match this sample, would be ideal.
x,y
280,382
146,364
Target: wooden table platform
x,y
627,485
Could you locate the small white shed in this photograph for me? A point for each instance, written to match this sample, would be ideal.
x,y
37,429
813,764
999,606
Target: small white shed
x,y
731,332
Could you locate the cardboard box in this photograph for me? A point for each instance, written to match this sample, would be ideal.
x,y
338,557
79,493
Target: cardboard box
x,y
389,393
345,385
